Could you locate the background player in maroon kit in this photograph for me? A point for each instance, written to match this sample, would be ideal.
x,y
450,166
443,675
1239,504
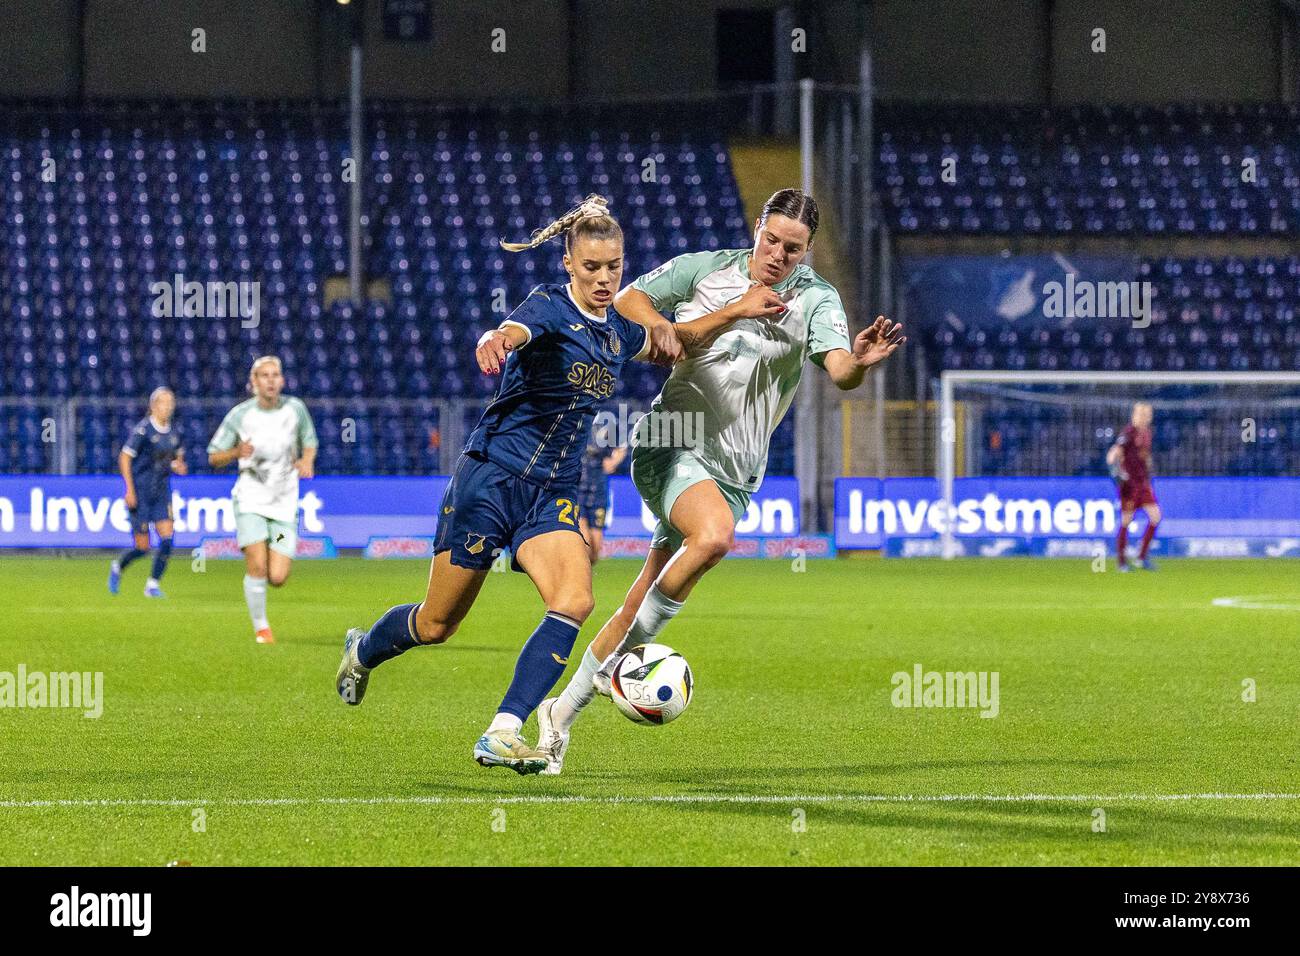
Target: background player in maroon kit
x,y
1130,464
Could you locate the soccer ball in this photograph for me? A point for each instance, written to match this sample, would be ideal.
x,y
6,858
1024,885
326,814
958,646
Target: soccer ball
x,y
652,684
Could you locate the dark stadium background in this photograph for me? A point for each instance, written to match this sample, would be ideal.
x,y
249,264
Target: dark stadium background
x,y
483,119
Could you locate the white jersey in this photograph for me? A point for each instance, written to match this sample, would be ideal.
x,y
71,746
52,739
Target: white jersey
x,y
740,387
268,482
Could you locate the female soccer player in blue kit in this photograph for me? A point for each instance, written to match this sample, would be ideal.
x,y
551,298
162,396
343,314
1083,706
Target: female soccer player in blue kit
x,y
151,455
560,353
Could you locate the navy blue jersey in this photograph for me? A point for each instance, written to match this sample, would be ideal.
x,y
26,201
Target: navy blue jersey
x,y
152,452
537,425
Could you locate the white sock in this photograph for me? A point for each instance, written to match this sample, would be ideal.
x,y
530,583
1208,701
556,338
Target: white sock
x,y
504,721
151,583
577,694
651,617
255,598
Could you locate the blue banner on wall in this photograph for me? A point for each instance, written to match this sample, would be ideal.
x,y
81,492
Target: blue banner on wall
x,y
1022,291
88,511
1043,515
773,510
56,511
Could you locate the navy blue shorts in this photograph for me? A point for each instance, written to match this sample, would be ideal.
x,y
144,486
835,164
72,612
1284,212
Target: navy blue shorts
x,y
595,510
147,511
593,498
487,509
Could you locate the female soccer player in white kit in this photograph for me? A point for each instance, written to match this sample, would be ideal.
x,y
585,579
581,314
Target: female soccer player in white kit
x,y
738,380
272,437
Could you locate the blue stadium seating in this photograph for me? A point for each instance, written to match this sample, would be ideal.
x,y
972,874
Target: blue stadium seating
x,y
225,192
255,192
1091,170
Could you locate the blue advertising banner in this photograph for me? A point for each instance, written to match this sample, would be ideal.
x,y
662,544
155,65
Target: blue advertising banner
x,y
58,511
1025,291
1053,516
773,510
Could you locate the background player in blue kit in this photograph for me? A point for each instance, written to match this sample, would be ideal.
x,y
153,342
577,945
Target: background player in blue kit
x,y
600,459
151,455
516,484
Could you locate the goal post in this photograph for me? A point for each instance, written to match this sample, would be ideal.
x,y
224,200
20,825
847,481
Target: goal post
x,y
1060,424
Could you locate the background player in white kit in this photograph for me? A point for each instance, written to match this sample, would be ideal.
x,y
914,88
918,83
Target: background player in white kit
x,y
738,378
272,437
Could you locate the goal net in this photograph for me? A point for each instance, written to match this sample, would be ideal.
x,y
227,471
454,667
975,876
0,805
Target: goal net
x,y
1058,425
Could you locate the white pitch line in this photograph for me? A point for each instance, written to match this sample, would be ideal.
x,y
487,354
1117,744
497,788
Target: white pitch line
x,y
705,798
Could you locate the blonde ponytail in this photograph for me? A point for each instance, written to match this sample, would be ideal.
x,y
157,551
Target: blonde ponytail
x,y
593,207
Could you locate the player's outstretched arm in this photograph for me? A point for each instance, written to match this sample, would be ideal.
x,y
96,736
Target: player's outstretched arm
x,y
759,302
871,346
665,349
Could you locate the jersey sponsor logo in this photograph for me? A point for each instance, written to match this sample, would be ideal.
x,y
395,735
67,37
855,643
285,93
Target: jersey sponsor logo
x,y
655,273
592,378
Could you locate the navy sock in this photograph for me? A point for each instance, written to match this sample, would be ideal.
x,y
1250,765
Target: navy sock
x,y
391,635
160,559
129,555
540,665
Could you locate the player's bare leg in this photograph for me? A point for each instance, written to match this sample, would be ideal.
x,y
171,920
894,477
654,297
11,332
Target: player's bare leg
x,y
560,567
556,715
449,595
595,537
1153,519
708,530
278,567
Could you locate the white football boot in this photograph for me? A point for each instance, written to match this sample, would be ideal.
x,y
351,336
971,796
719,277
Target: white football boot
x,y
352,676
550,740
506,748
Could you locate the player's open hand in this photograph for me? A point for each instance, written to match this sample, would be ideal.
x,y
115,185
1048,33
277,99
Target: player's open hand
x,y
877,342
759,302
306,470
493,347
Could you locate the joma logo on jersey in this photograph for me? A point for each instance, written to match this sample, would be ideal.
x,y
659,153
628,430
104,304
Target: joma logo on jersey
x,y
593,378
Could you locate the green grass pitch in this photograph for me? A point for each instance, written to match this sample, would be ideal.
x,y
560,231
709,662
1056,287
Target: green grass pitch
x,y
1120,694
